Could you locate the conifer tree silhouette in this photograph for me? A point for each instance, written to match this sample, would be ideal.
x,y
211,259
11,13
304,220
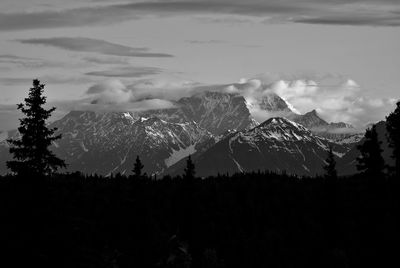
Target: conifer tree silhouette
x,y
190,171
371,161
330,167
393,129
137,168
31,151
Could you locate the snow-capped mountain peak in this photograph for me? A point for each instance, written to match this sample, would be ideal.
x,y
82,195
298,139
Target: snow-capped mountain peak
x,y
281,124
272,102
277,144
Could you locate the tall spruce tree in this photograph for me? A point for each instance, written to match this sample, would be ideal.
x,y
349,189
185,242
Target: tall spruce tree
x,y
330,167
30,151
393,129
190,169
371,161
137,168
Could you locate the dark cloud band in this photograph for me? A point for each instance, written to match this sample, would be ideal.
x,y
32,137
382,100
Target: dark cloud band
x,y
132,72
80,44
352,12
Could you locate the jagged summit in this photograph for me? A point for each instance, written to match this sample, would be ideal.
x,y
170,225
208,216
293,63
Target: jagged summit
x,y
319,126
213,111
313,112
273,103
277,144
281,121
280,128
310,120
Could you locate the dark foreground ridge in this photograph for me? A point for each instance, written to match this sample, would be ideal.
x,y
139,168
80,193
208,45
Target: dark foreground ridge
x,y
244,220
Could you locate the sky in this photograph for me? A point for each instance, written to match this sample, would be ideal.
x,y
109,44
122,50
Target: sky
x,y
339,57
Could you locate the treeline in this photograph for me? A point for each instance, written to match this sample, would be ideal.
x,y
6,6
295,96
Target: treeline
x,y
244,220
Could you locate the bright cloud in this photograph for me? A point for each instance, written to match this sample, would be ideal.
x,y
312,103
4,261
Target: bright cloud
x,y
340,101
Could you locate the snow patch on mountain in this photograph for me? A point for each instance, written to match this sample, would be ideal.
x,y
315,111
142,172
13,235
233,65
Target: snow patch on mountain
x,y
290,106
177,155
84,147
128,115
237,164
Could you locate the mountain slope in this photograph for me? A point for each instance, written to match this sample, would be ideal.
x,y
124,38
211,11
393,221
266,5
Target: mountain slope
x,y
271,102
275,105
277,145
214,111
334,131
105,143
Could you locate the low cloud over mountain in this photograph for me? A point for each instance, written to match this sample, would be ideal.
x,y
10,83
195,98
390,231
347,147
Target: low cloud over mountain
x,y
336,100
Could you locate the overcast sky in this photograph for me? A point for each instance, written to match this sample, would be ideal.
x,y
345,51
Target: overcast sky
x,y
340,57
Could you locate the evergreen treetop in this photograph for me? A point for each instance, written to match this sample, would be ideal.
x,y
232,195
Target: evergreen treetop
x,y
137,168
371,160
30,151
190,169
330,167
393,129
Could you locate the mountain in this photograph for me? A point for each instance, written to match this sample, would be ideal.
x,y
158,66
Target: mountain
x,y
274,104
108,142
105,143
276,145
200,125
334,131
311,120
214,111
271,102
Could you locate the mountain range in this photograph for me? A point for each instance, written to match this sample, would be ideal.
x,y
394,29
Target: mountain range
x,y
216,128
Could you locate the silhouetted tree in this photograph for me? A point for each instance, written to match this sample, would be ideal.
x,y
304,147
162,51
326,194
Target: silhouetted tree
x,y
330,167
371,161
31,150
190,169
137,168
393,129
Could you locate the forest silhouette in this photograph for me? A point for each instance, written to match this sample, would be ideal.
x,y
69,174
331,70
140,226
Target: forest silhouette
x,y
258,219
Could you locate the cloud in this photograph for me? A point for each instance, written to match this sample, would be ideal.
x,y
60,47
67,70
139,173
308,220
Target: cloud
x,y
105,60
166,88
357,20
28,62
110,96
341,101
202,42
76,17
47,79
81,44
338,12
129,71
134,106
335,98
145,94
110,92
9,81
115,93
